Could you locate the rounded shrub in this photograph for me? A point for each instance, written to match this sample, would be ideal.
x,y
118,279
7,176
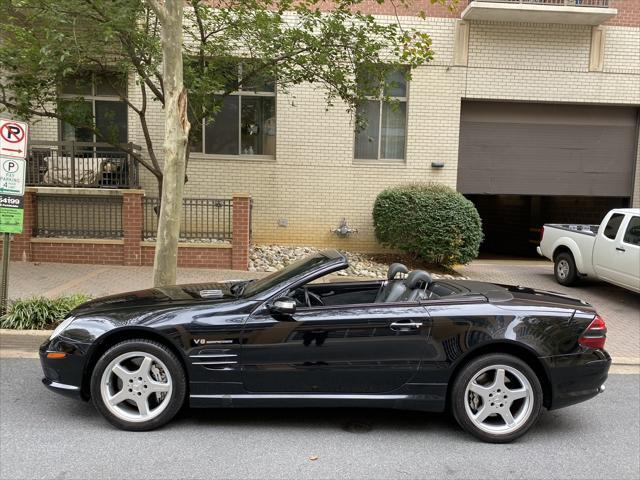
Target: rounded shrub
x,y
430,220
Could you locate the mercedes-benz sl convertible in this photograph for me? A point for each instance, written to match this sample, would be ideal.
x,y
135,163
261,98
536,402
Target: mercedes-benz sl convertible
x,y
493,355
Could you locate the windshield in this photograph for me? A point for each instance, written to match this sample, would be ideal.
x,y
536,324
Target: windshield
x,y
292,270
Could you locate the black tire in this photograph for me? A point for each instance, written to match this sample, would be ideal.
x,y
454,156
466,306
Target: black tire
x,y
564,269
162,353
459,397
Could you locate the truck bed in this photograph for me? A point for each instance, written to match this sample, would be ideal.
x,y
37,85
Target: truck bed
x,y
591,230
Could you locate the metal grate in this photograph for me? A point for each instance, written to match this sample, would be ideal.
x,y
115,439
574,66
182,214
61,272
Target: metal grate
x,y
203,219
79,216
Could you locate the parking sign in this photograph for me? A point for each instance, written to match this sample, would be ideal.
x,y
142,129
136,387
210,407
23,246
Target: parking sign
x,y
13,138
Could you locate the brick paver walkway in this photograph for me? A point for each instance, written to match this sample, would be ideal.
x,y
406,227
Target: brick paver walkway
x,y
619,307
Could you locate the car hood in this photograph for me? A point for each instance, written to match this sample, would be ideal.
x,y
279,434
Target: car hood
x,y
190,294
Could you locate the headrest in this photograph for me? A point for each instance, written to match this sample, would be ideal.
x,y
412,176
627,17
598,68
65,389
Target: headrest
x,y
396,268
415,278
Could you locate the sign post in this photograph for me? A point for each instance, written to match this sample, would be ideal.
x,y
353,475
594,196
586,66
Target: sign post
x,y
13,150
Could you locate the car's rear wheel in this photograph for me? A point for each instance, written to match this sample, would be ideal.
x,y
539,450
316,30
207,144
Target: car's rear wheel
x,y
497,398
138,385
565,269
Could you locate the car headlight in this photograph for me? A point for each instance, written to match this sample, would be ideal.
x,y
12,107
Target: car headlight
x,y
60,328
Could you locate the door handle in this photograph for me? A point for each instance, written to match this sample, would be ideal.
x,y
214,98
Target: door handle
x,y
404,325
620,249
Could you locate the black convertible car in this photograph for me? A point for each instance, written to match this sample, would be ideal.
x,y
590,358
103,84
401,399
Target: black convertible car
x,y
493,355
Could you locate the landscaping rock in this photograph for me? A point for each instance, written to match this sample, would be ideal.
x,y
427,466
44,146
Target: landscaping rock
x,y
270,258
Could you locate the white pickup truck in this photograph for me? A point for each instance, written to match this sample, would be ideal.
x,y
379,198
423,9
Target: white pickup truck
x,y
609,251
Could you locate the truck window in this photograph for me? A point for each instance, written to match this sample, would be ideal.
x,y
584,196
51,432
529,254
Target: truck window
x,y
632,235
613,225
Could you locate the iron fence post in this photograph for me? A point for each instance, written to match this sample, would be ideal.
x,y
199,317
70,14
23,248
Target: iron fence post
x,y
73,164
130,161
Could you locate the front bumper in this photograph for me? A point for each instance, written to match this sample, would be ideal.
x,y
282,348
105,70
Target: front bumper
x,y
577,377
62,388
63,375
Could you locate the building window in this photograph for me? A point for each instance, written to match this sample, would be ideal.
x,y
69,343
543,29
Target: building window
x,y
384,135
245,123
101,97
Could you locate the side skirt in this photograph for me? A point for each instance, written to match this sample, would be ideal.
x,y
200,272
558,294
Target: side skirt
x,y
302,400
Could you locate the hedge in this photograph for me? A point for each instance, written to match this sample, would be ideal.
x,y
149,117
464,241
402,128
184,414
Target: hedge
x,y
430,220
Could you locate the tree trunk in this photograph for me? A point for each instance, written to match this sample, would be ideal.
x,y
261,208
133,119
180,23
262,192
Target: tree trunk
x,y
175,145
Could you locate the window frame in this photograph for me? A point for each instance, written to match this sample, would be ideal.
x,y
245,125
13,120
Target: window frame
x,y
201,154
627,229
381,101
92,98
604,231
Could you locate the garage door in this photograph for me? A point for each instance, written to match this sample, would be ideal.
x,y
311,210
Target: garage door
x,y
541,149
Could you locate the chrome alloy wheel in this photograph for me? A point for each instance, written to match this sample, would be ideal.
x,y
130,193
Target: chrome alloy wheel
x,y
499,399
136,386
563,268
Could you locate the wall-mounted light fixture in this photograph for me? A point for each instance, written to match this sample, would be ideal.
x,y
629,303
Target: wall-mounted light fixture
x,y
437,164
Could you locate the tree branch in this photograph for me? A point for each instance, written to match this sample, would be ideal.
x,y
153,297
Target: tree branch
x,y
159,10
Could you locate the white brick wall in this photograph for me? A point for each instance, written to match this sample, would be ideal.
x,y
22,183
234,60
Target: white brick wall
x,y
314,182
525,46
622,50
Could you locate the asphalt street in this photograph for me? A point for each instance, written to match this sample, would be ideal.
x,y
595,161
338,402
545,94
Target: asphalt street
x,y
44,435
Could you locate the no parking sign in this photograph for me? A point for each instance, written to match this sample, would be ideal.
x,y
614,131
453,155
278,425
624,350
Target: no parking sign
x,y
13,138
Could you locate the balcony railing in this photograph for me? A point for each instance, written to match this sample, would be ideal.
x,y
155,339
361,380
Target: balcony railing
x,y
576,12
81,164
560,3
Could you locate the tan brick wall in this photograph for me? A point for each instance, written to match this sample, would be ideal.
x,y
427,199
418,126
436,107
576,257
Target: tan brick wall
x,y
314,182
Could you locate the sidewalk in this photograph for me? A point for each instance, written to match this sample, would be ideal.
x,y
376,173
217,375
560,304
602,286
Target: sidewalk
x,y
55,279
620,308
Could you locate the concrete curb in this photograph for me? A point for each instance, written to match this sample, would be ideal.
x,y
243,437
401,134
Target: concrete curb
x,y
24,343
10,331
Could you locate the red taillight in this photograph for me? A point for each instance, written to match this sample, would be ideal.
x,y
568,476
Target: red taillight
x,y
541,233
595,335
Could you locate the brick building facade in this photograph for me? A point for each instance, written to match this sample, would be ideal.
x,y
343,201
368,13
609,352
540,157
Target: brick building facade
x,y
314,180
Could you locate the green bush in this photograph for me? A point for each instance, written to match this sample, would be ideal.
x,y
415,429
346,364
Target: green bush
x,y
430,220
39,312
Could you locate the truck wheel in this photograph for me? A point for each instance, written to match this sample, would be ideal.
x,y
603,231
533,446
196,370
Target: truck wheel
x,y
565,269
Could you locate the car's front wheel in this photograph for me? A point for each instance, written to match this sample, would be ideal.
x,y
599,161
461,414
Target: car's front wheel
x,y
138,385
497,398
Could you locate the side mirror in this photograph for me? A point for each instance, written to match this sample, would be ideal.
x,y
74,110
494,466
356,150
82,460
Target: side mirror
x,y
283,306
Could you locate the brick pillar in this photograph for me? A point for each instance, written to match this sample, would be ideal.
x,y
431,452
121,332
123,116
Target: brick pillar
x,y
240,234
132,226
21,244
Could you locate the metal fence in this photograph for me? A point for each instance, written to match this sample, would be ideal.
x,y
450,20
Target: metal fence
x,y
79,216
81,164
203,219
563,3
